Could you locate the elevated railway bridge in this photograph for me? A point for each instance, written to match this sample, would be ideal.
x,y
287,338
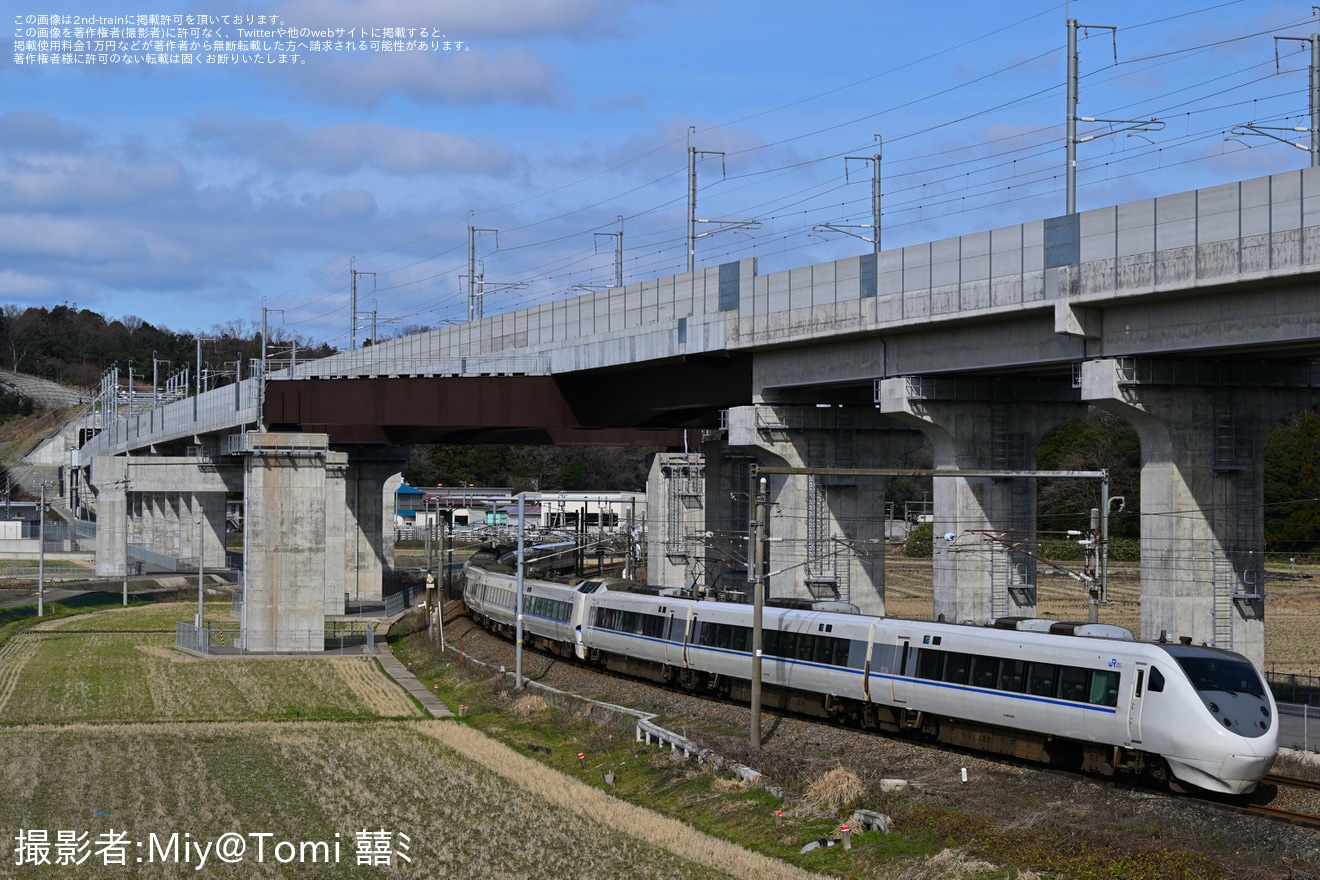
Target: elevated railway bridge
x,y
1194,316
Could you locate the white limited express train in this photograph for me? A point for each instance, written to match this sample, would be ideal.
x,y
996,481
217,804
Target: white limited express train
x,y
1080,696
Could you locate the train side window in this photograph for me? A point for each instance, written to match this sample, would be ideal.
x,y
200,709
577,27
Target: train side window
x,y
929,664
1012,675
1156,681
822,649
1104,688
955,668
983,672
742,639
805,645
1072,683
788,645
1040,681
771,642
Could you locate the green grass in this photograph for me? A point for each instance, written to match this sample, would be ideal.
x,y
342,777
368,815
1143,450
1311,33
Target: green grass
x,y
121,666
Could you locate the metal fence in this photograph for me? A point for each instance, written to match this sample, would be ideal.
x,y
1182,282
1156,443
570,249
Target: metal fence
x,y
1299,727
50,572
1295,687
191,638
405,598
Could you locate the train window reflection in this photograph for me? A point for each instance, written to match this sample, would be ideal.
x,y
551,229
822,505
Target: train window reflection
x,y
1104,688
1222,674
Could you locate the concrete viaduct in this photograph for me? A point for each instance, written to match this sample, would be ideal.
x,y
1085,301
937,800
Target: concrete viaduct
x,y
1195,317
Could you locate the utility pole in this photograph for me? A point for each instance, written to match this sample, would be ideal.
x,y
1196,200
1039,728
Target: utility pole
x,y
155,378
723,225
693,152
474,307
618,251
353,314
201,564
261,388
125,483
874,226
197,396
1132,126
1314,100
756,575
518,614
41,552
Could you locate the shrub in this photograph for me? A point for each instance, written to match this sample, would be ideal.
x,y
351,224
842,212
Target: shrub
x,y
920,542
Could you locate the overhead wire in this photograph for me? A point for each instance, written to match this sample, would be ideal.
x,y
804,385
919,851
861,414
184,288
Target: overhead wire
x,y
810,198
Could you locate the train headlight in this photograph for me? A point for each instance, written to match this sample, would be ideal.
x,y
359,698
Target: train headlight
x,y
1214,708
1265,710
1228,723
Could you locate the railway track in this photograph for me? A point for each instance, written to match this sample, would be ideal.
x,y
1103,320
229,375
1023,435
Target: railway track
x,y
1279,798
1295,800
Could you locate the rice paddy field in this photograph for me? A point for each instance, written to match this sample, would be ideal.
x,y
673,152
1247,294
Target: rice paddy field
x,y
145,761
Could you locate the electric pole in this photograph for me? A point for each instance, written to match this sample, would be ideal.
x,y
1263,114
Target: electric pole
x,y
874,226
353,314
757,566
474,298
618,251
1132,126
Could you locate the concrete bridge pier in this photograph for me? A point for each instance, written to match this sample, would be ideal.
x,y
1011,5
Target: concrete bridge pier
x,y
314,535
293,545
170,507
1202,428
982,525
368,520
828,530
109,485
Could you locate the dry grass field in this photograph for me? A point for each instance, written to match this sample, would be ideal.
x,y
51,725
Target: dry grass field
x,y
105,728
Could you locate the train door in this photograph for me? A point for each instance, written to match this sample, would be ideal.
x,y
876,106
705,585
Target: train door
x,y
898,682
1138,700
866,666
669,637
580,606
687,634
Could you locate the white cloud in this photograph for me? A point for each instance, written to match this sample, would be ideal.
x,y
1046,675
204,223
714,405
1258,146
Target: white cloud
x,y
35,130
343,148
512,75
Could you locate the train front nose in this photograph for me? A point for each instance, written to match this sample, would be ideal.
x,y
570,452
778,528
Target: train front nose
x,y
1241,773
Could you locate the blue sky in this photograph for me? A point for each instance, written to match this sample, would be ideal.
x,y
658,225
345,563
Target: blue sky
x,y
184,194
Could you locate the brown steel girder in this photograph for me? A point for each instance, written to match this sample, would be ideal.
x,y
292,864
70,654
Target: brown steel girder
x,y
645,406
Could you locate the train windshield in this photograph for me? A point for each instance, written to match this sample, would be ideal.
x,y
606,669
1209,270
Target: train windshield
x,y
1223,674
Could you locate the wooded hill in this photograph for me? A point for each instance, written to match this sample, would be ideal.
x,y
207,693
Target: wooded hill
x,y
75,346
